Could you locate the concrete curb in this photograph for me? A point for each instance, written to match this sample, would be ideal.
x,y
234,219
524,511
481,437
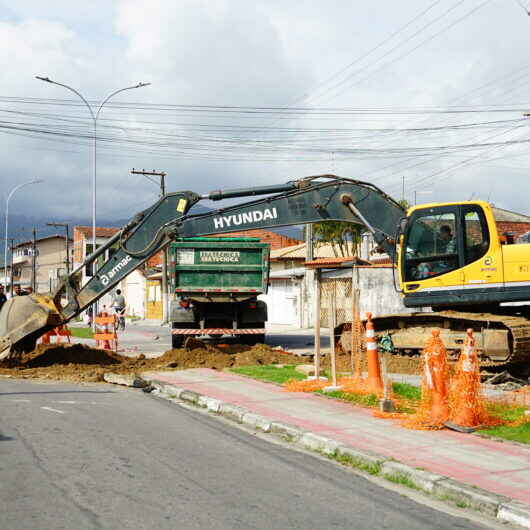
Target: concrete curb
x,y
441,487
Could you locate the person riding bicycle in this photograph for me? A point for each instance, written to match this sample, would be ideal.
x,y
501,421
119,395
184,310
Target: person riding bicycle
x,y
118,303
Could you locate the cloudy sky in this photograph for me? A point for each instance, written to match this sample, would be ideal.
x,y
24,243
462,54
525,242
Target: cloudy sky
x,y
260,92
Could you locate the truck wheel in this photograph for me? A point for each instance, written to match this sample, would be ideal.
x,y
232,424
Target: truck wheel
x,y
177,341
254,339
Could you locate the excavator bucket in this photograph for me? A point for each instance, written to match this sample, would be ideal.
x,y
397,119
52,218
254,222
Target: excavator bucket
x,y
23,319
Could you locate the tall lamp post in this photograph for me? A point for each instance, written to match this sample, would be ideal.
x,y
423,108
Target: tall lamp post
x,y
36,181
94,117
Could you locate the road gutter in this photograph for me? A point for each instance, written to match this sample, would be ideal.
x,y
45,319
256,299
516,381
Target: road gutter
x,y
440,487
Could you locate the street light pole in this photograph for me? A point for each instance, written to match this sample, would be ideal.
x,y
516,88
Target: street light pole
x,y
94,117
37,181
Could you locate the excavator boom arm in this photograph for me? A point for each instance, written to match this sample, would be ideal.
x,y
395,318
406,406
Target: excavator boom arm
x,y
307,200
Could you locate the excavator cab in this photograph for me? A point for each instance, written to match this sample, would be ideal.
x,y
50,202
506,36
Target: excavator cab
x,y
445,251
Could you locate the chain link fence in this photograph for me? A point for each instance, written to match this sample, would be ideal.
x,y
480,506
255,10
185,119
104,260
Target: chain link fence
x,y
341,290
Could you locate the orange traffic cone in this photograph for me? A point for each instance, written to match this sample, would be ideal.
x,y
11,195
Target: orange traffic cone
x,y
466,407
433,410
436,374
374,382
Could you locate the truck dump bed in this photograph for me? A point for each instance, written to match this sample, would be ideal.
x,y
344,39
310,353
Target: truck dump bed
x,y
219,269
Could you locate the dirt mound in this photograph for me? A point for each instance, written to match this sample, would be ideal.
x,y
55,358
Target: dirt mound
x,y
49,354
77,362
218,358
400,364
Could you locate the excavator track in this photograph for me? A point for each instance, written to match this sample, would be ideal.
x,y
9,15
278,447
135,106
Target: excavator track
x,y
501,339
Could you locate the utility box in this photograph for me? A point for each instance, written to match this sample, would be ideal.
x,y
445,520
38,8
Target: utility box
x,y
216,282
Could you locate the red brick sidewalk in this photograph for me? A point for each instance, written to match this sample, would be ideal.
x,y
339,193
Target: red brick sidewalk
x,y
498,467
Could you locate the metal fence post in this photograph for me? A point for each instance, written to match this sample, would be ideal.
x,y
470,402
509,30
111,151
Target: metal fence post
x,y
317,323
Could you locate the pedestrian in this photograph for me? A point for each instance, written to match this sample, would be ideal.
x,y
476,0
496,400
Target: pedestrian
x,y
89,316
19,291
118,303
3,297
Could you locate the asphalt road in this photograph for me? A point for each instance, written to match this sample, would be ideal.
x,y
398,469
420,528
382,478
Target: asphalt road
x,y
97,456
152,339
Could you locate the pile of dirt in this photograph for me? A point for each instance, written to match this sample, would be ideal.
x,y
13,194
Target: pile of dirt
x,y
77,362
399,364
50,354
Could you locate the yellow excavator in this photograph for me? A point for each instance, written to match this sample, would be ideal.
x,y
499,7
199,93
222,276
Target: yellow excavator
x,y
448,255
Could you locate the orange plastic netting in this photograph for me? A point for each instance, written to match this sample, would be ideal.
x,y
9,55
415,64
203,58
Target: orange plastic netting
x,y
307,385
466,402
458,399
433,409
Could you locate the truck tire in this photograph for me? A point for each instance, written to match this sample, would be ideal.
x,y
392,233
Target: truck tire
x,y
177,341
254,339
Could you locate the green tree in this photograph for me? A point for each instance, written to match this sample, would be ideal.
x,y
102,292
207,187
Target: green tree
x,y
343,237
404,204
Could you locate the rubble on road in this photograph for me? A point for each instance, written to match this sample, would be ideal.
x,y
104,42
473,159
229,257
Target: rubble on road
x,y
505,381
78,362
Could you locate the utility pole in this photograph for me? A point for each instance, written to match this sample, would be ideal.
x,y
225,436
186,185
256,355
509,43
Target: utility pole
x,y
34,261
66,226
11,269
162,175
309,277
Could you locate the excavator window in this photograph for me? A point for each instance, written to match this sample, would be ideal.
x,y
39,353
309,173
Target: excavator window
x,y
431,244
476,235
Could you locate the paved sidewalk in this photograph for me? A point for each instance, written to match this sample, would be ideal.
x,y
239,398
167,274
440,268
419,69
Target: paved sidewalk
x,y
499,467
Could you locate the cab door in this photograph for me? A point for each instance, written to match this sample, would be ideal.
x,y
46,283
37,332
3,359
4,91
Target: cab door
x,y
431,254
482,259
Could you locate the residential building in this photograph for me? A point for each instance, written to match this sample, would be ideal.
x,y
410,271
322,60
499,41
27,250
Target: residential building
x,y
50,262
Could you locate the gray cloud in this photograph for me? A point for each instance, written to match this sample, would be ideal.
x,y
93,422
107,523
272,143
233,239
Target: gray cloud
x,y
258,54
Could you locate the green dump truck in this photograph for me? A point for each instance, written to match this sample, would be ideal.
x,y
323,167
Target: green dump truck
x,y
216,283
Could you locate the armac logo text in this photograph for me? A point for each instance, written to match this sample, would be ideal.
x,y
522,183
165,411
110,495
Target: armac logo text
x,y
253,216
106,278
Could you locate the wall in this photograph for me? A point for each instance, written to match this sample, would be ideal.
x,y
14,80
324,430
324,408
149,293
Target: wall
x,y
153,300
515,228
377,292
133,288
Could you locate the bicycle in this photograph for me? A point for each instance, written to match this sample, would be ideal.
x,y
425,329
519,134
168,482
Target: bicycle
x,y
120,318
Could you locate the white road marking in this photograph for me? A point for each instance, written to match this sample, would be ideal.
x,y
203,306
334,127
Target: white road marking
x,y
21,400
77,402
53,410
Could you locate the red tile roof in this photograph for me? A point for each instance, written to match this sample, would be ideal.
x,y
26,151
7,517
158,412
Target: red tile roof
x,y
101,231
331,262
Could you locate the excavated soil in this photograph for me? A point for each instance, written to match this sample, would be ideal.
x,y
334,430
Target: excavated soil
x,y
398,364
77,362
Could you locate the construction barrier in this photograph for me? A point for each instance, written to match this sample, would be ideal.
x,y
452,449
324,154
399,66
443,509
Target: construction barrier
x,y
106,336
58,332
